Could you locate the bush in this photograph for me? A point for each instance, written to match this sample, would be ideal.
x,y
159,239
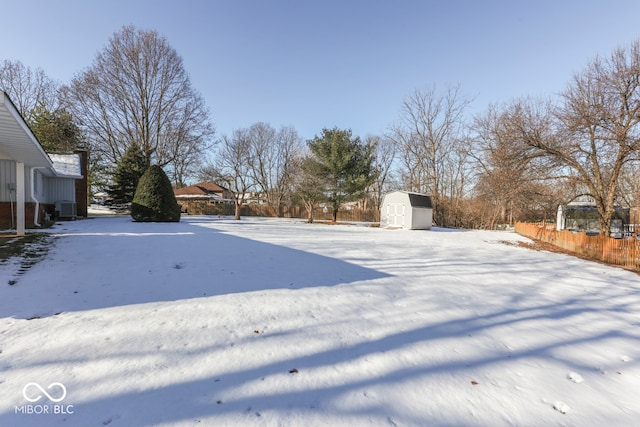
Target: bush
x,y
154,200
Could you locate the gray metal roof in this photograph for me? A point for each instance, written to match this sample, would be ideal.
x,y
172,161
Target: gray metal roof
x,y
17,142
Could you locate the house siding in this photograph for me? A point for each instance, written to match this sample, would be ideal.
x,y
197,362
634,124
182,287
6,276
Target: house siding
x,y
39,190
8,176
59,189
46,190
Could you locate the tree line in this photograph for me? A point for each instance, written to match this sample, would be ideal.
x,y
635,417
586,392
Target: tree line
x,y
334,167
515,161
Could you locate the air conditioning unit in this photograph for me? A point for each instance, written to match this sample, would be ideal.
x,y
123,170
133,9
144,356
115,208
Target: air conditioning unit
x,y
66,209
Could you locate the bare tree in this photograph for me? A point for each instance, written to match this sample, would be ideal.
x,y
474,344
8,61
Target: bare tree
x,y
27,88
429,134
511,176
290,151
232,167
188,153
137,91
309,184
595,131
385,155
272,156
629,186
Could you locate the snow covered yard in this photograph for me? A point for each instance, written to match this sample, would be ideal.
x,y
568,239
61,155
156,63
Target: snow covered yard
x,y
279,322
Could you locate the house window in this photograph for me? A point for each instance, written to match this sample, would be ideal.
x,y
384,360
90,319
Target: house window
x,y
37,182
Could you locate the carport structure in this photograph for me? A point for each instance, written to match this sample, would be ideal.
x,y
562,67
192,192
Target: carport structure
x,y
29,178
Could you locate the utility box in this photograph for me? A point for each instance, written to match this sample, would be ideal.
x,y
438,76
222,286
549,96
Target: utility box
x,y
66,210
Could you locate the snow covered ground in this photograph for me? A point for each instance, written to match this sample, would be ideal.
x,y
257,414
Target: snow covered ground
x,y
267,322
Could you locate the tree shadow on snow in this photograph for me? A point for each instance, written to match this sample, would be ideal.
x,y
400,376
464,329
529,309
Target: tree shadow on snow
x,y
524,331
97,265
308,393
529,330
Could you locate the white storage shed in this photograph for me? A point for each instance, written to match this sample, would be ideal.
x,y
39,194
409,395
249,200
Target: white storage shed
x,y
403,209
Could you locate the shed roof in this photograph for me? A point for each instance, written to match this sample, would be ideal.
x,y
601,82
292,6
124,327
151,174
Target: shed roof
x,y
418,200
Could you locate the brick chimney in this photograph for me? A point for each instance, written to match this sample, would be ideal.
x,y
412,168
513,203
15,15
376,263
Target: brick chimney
x,y
82,185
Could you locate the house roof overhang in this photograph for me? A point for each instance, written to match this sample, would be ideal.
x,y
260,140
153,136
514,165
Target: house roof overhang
x,y
17,142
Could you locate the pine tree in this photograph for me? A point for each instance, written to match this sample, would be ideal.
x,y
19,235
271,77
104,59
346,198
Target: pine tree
x,y
127,174
345,165
55,130
154,200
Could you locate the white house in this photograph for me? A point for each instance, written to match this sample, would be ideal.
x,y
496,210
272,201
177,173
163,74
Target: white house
x,y
32,182
403,209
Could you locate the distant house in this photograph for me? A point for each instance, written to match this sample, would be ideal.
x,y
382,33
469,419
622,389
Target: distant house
x,y
204,191
584,216
196,198
403,209
33,183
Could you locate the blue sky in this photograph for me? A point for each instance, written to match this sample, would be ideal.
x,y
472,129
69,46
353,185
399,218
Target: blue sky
x,y
350,64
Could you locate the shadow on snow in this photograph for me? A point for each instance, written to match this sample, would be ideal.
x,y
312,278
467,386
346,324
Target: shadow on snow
x,y
95,266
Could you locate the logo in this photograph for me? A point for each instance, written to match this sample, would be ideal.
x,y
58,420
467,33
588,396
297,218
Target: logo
x,y
34,392
33,396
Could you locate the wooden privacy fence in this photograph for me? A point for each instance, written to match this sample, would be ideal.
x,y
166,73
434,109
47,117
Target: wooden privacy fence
x,y
623,252
198,207
319,214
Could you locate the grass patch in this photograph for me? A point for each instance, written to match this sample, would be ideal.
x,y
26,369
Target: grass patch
x,y
26,250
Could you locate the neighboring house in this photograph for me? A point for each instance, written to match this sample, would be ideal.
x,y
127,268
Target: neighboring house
x,y
204,191
583,216
403,209
34,184
194,198
254,198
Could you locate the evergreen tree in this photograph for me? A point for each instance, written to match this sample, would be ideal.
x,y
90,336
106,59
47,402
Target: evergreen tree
x,y
345,165
127,174
55,130
154,200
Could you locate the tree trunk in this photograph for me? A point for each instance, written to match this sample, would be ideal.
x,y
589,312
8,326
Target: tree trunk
x,y
309,207
237,213
605,223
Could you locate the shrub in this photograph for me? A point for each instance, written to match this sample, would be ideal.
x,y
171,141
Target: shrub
x,y
154,200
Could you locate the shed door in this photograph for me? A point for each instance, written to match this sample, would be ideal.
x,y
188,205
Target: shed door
x,y
395,214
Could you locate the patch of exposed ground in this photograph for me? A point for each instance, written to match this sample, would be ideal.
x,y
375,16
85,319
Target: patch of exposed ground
x,y
23,252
